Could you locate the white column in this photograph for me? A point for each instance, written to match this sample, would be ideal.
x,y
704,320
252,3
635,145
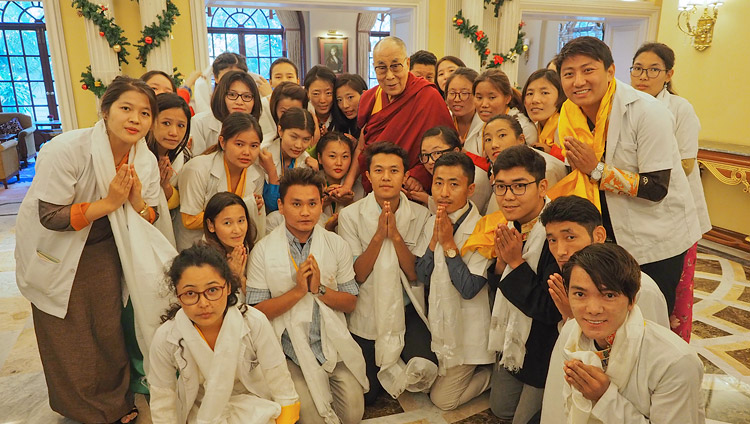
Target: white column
x,y
508,33
472,11
159,58
104,65
453,39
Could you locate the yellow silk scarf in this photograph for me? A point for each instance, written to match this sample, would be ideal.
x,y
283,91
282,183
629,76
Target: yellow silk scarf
x,y
482,239
378,106
573,124
547,133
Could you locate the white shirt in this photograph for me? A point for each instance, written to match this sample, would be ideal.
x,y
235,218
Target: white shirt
x,y
529,129
687,127
204,129
473,142
640,140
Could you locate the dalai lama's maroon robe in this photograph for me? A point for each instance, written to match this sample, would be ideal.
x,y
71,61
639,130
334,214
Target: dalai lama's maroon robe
x,y
403,120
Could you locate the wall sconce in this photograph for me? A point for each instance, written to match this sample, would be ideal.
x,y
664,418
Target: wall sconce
x,y
703,30
334,33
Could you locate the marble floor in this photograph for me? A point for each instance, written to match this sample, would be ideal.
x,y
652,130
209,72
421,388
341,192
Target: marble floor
x,y
721,337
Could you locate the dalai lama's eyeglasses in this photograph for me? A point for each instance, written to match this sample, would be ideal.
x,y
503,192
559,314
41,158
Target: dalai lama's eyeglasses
x,y
395,68
425,157
191,297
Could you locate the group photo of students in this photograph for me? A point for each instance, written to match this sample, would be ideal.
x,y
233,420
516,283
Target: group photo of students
x,y
311,244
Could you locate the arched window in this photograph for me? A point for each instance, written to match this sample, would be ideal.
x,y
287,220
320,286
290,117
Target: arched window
x,y
26,79
380,30
256,34
574,29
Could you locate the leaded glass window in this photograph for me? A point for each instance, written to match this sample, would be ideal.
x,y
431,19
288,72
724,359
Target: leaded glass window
x,y
575,29
380,29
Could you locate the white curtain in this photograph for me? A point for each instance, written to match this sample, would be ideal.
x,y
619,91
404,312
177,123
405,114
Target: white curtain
x,y
159,58
364,25
507,36
104,65
292,28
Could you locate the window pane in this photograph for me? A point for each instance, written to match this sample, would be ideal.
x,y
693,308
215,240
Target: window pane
x,y
13,38
4,68
30,42
18,67
41,113
2,44
34,67
23,94
6,94
252,65
265,66
233,43
277,49
264,48
38,93
26,110
251,45
12,12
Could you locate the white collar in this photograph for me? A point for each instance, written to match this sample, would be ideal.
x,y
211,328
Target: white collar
x,y
455,215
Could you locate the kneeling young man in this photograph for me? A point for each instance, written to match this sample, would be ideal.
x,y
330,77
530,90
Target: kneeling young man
x,y
459,306
301,277
523,327
572,223
618,367
384,232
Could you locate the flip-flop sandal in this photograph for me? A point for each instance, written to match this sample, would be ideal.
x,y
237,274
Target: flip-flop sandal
x,y
132,420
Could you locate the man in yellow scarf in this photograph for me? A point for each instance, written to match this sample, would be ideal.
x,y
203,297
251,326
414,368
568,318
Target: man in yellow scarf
x,y
625,159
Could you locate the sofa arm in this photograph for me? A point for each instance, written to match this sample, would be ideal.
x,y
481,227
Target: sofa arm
x,y
27,132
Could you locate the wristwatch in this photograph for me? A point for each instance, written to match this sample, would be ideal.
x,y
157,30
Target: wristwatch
x,y
596,173
321,290
451,253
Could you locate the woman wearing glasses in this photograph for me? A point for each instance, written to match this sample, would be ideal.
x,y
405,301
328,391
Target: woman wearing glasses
x,y
208,354
236,92
460,101
652,73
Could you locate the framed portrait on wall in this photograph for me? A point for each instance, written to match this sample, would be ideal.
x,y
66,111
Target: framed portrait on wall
x,y
333,54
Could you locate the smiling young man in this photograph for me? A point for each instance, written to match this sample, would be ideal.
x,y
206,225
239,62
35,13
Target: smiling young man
x,y
384,232
423,64
617,367
459,311
400,109
524,317
622,143
301,277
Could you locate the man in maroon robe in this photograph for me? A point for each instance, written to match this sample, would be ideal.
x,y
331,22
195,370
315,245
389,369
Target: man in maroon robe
x,y
400,109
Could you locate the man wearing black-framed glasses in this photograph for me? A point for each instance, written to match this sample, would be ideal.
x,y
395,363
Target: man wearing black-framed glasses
x,y
400,109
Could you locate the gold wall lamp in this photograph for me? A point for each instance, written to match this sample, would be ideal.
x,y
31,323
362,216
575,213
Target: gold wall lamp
x,y
703,30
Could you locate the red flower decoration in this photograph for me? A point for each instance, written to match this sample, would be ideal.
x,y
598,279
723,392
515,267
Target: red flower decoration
x,y
85,87
487,52
460,22
498,59
148,40
522,24
479,35
101,33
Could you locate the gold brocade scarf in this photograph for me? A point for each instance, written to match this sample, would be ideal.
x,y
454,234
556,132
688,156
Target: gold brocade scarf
x,y
547,133
573,124
482,239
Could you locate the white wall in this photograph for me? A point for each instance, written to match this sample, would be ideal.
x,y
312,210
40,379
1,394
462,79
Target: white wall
x,y
317,24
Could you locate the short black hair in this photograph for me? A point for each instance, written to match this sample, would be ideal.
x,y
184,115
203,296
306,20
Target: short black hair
x,y
586,46
218,102
386,148
302,177
320,72
448,134
521,156
609,266
280,61
456,159
572,209
510,119
228,60
422,57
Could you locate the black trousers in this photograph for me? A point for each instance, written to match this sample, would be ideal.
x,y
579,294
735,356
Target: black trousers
x,y
416,344
666,273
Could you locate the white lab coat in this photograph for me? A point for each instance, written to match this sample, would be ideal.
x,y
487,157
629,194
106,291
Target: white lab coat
x,y
76,167
204,129
686,131
204,176
473,142
529,128
555,171
267,126
641,139
467,324
257,372
271,269
664,385
379,314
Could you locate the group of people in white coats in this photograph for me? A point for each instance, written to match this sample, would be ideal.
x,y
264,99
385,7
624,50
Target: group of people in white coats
x,y
543,263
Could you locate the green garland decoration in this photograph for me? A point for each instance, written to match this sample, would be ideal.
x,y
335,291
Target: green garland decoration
x,y
474,34
497,3
92,84
107,27
154,34
177,77
513,53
